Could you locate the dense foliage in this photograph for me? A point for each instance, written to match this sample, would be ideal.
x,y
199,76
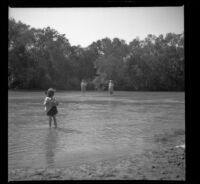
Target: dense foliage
x,y
42,58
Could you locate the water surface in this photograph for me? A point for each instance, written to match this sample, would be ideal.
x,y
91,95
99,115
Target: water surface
x,y
90,127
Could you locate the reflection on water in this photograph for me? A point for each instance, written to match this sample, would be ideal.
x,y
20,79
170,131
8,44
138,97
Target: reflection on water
x,y
65,130
50,146
90,126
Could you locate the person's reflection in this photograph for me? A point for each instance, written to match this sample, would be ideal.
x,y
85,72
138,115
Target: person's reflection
x,y
50,146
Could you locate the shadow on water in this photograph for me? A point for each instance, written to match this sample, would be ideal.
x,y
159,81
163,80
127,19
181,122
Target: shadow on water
x,y
66,130
50,146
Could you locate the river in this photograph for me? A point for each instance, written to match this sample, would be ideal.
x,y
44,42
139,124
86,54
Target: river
x,y
91,126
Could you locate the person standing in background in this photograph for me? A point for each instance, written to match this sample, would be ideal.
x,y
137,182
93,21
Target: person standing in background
x,y
111,87
83,86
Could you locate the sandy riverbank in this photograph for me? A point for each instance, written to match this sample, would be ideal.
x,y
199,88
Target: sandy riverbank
x,y
167,162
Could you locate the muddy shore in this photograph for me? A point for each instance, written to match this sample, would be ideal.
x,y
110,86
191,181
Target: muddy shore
x,y
166,162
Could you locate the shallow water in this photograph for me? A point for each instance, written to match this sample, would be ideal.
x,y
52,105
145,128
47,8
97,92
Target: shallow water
x,y
91,127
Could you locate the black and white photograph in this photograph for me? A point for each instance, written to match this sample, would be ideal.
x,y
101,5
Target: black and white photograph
x,y
96,93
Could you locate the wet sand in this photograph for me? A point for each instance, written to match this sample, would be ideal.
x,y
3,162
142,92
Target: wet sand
x,y
165,162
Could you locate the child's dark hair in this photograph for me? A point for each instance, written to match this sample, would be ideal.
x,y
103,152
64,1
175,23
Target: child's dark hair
x,y
50,92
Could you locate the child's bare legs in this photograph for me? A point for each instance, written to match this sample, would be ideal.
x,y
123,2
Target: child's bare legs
x,y
54,120
50,119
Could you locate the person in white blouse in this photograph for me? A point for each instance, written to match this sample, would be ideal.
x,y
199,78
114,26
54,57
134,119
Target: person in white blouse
x,y
111,87
83,86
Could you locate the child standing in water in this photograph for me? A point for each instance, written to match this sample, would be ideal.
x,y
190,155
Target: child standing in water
x,y
51,106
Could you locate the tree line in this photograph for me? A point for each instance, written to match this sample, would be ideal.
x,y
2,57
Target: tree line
x,y
43,58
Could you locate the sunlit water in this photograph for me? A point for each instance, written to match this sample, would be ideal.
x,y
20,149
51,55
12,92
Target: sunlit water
x,y
91,127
